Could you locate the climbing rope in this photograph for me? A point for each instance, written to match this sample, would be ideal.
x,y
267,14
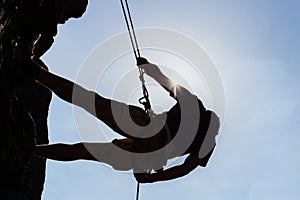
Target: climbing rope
x,y
133,39
137,191
135,47
130,28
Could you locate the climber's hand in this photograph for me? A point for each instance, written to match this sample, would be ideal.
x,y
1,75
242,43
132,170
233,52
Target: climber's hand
x,y
149,68
141,61
143,178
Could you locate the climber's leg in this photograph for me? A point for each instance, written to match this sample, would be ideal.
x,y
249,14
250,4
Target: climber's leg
x,y
107,153
120,117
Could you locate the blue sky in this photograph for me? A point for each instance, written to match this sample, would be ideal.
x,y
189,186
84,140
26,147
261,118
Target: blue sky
x,y
255,47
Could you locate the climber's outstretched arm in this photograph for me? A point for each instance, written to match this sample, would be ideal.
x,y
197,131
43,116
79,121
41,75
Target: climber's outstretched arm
x,y
153,71
191,162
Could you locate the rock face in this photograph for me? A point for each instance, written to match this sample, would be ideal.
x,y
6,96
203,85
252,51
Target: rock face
x,y
24,103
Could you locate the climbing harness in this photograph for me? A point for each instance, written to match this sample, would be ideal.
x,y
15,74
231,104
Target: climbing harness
x,y
133,39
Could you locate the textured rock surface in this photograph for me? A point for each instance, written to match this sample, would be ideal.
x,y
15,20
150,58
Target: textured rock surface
x,y
24,103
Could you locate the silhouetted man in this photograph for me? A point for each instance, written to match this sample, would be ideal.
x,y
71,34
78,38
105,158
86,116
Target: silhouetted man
x,y
186,129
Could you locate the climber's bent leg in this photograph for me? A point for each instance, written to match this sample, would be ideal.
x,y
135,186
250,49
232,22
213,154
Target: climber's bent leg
x,y
127,120
113,113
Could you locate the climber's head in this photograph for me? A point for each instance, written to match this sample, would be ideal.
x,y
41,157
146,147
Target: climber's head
x,y
72,8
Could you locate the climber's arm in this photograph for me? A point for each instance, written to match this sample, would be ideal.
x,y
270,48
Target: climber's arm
x,y
172,88
191,162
